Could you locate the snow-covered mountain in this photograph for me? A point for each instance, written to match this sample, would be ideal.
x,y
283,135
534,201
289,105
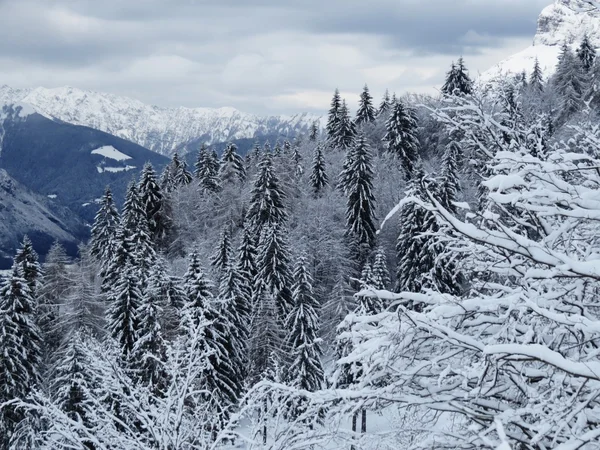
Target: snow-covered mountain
x,y
162,130
564,21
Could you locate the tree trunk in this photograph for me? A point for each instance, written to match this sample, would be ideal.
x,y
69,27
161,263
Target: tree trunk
x,y
354,428
363,427
265,421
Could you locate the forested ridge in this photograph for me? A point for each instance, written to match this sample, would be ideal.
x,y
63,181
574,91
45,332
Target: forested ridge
x,y
430,262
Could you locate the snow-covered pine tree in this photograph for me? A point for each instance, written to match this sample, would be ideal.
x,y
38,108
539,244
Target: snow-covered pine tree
x,y
313,134
167,180
267,147
197,287
449,183
20,347
381,275
366,112
356,181
122,315
104,231
246,261
536,80
458,81
297,161
586,53
169,291
401,137
207,170
568,81
55,287
385,105
155,206
149,351
267,198
318,175
368,305
305,370
222,257
277,150
181,175
346,131
333,119
273,268
28,259
232,165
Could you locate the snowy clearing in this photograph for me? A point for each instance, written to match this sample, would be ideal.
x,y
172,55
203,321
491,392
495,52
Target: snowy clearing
x,y
108,151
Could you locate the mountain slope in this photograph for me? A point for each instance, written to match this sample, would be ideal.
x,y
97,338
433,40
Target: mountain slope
x,y
564,21
70,164
23,212
162,130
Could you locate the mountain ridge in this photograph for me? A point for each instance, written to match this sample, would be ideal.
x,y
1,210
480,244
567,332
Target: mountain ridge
x,y
163,130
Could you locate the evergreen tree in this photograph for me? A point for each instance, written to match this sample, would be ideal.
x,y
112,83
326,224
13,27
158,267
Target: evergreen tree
x,y
155,206
368,305
297,160
313,135
356,181
334,119
273,264
385,104
346,132
267,198
197,286
104,231
27,258
381,274
305,370
222,257
318,176
277,150
401,137
122,315
167,181
536,81
232,165
586,53
150,349
457,80
569,82
183,176
207,170
169,292
20,347
246,262
267,147
449,182
256,151
366,111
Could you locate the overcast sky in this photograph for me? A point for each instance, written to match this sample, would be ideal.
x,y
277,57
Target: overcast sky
x,y
261,56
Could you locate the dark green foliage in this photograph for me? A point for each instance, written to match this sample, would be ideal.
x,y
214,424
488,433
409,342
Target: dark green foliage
x,y
381,275
334,118
232,166
104,231
313,135
457,80
401,137
586,53
536,81
156,207
27,259
366,111
222,257
318,175
385,105
207,170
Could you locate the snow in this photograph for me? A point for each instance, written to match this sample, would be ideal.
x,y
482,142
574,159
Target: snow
x,y
108,151
52,196
114,169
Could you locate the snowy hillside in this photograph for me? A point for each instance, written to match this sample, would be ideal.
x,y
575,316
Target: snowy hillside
x,y
162,130
564,21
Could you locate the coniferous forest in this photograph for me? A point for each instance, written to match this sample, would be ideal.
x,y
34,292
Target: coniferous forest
x,y
421,273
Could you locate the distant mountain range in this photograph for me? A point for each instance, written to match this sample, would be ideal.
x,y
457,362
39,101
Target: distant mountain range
x,y
564,21
162,130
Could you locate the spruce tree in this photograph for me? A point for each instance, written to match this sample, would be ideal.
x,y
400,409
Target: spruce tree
x,y
297,161
346,131
104,231
223,254
449,184
28,259
356,181
20,346
181,175
385,105
277,150
457,80
381,274
318,176
169,291
246,261
305,370
569,82
401,137
232,165
273,268
368,305
333,118
122,315
154,204
136,235
366,111
586,53
536,81
207,170
267,198
313,134
267,147
197,287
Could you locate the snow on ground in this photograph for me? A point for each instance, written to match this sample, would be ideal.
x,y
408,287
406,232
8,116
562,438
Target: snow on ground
x,y
114,169
52,196
108,151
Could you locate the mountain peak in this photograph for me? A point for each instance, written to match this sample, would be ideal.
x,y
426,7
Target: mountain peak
x,y
565,21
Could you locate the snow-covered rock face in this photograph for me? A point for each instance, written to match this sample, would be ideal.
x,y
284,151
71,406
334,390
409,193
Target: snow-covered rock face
x,y
162,130
564,21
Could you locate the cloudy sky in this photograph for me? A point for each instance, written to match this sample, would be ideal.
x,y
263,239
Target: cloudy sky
x,y
261,56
